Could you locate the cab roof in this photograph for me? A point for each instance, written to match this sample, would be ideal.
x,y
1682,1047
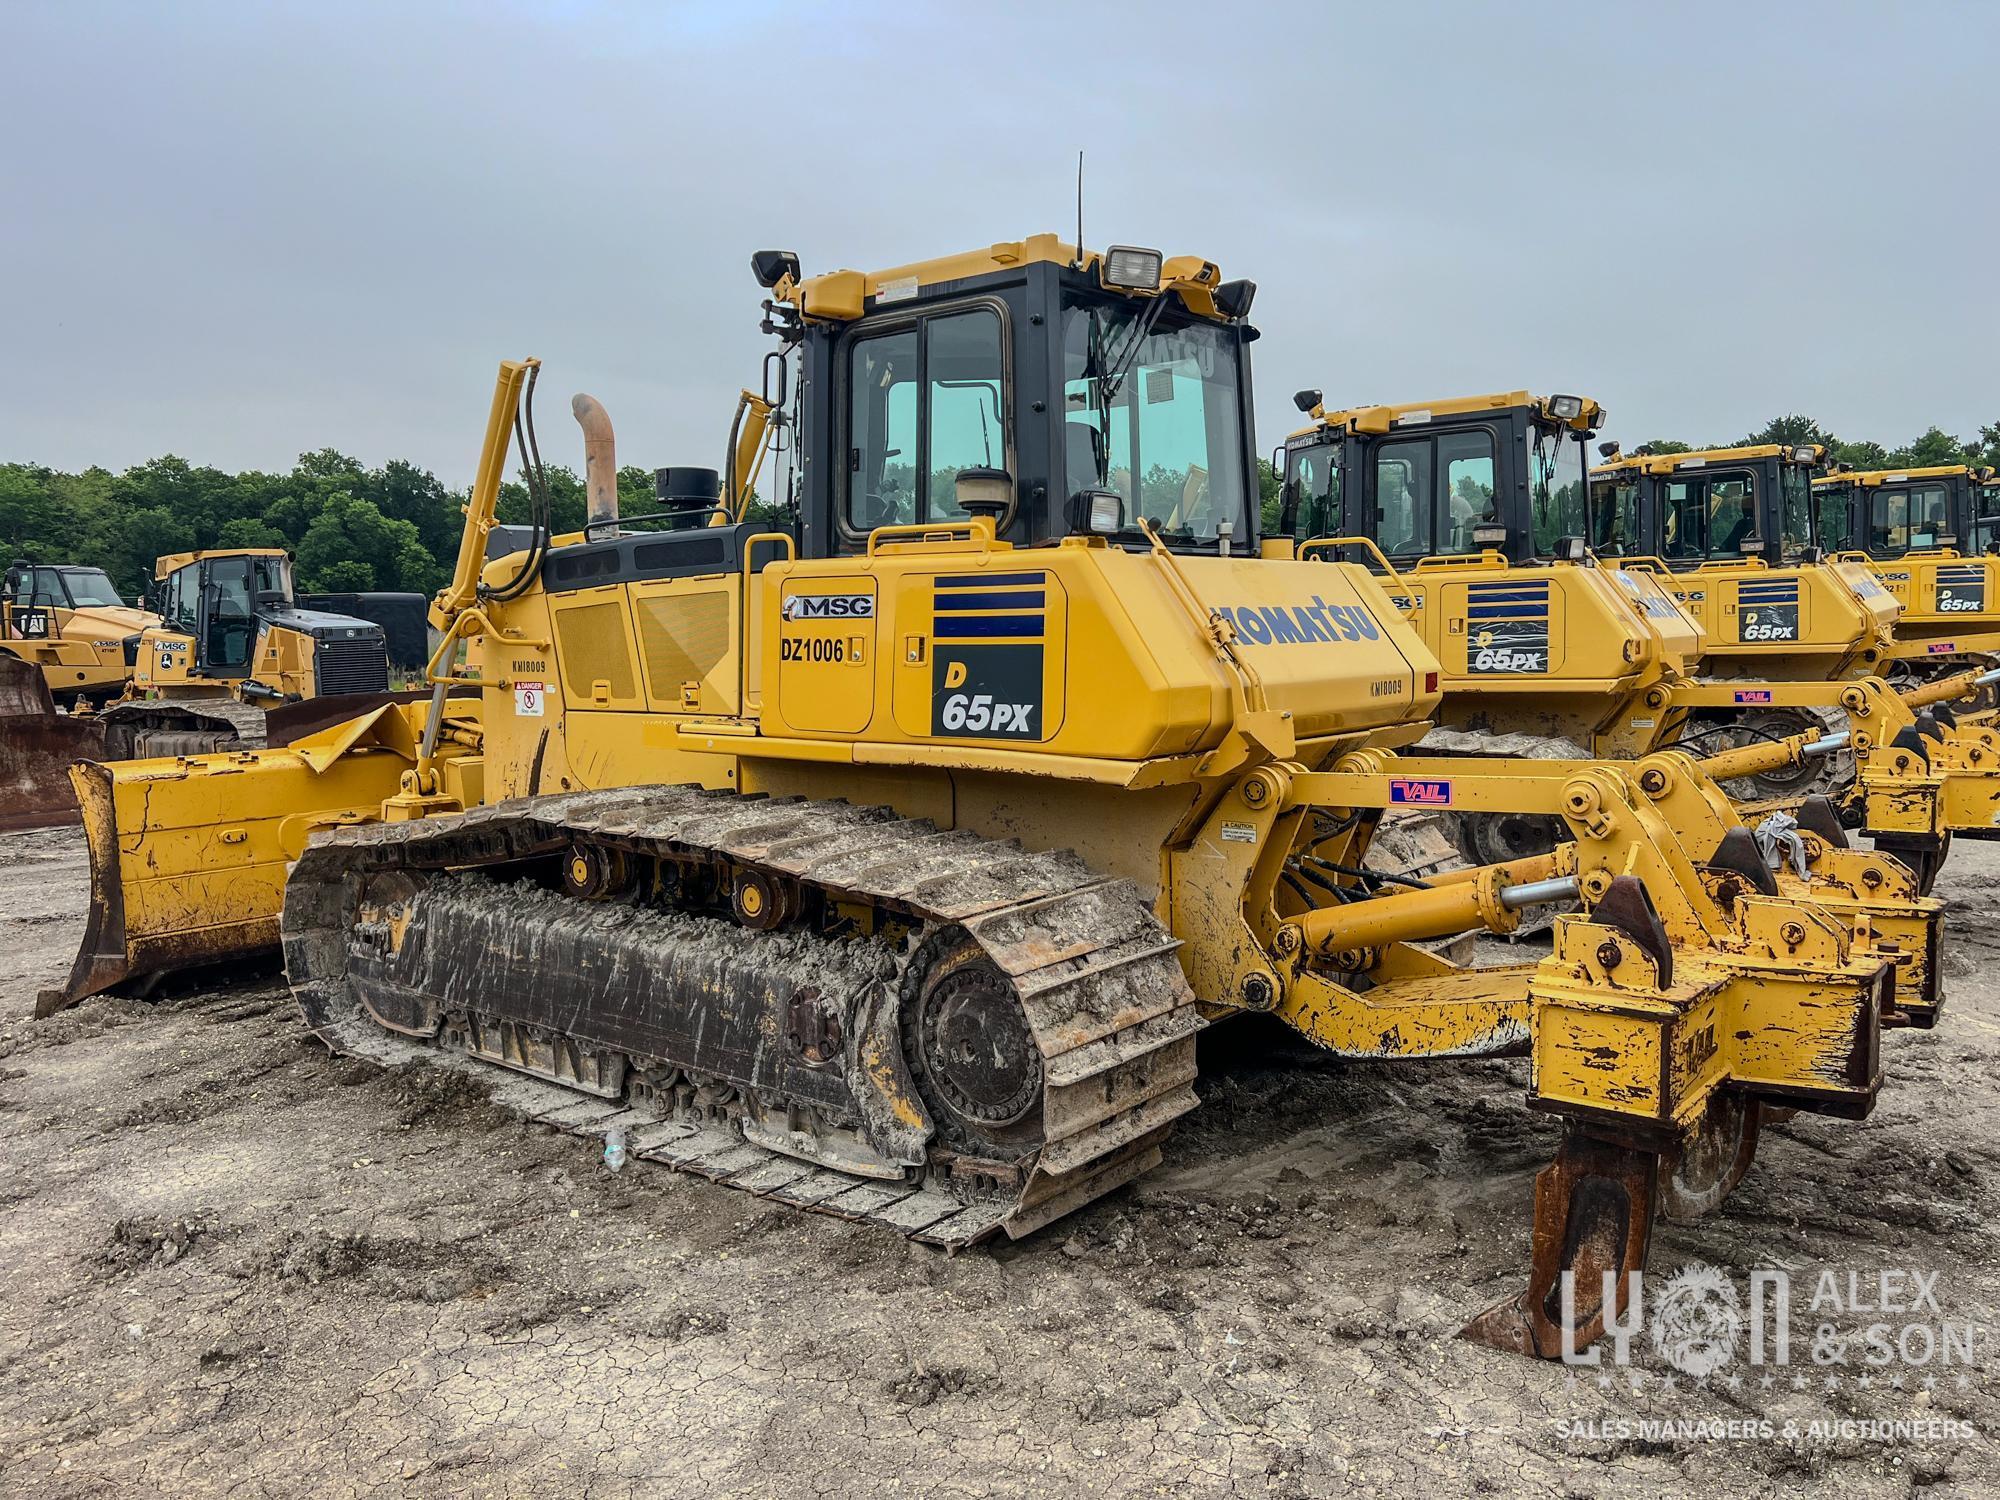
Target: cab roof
x,y
1666,463
1378,419
842,296
1897,476
173,562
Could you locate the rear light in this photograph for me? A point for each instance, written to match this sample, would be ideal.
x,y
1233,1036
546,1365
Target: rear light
x,y
1430,682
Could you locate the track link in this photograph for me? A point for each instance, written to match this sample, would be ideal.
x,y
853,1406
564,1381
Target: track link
x,y
778,1061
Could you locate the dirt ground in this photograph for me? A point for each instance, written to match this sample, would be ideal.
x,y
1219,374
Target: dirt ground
x,y
237,1265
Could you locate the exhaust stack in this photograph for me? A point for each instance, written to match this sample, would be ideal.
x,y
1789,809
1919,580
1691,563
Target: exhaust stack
x,y
600,459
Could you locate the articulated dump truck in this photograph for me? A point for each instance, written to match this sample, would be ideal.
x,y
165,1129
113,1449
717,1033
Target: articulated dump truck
x,y
888,863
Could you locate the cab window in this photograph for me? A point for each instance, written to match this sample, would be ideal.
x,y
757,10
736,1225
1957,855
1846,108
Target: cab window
x,y
1614,518
924,402
1709,518
1557,479
1153,411
1906,519
1985,519
1467,502
1795,528
1403,499
178,599
1834,508
1432,494
1314,498
230,628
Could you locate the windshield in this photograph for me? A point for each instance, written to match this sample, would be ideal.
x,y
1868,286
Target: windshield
x,y
1312,495
1795,508
1556,486
1154,412
90,587
1614,518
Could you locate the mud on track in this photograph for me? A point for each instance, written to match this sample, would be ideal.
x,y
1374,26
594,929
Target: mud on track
x,y
237,1265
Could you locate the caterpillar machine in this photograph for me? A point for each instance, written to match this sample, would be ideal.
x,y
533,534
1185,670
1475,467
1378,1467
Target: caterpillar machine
x,y
71,624
1477,512
229,660
887,863
1931,535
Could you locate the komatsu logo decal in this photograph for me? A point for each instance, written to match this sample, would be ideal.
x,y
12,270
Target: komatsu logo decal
x,y
1507,627
1420,793
1768,611
1297,624
986,668
829,606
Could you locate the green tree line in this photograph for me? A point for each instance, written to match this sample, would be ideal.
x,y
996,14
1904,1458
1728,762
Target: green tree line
x,y
350,527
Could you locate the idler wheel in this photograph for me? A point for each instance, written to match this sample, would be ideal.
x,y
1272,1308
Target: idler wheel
x,y
974,1056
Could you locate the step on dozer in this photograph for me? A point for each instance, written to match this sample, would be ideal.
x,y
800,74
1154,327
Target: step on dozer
x,y
888,864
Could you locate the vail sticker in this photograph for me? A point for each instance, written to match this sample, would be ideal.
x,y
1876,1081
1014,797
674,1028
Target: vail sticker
x,y
1752,695
1420,793
1941,648
528,699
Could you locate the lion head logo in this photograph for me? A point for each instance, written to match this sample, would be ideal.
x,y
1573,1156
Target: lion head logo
x,y
1696,1320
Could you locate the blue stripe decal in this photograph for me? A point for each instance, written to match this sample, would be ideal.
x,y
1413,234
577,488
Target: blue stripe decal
x,y
992,601
988,580
1494,595
1767,593
1508,612
979,625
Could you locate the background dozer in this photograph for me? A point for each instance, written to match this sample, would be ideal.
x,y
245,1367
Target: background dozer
x,y
1932,535
228,661
887,863
1477,510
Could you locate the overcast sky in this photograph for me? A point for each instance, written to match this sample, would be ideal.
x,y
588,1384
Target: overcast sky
x,y
236,232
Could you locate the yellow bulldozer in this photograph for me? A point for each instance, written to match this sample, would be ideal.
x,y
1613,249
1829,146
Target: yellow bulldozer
x,y
225,659
1478,511
1931,535
886,861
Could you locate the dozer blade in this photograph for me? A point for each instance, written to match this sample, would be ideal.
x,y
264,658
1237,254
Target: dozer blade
x,y
37,745
188,855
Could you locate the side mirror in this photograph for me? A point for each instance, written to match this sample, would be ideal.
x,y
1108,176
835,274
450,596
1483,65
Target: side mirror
x,y
272,599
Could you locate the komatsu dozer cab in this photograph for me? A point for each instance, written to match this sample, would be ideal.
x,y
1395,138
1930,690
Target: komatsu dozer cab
x,y
71,623
887,861
1933,537
1478,512
1733,529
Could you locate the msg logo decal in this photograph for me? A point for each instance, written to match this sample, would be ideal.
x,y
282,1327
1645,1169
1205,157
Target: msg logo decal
x,y
1420,793
1294,625
829,606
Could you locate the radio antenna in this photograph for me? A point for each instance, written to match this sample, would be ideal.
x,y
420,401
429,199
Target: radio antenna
x,y
1079,210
